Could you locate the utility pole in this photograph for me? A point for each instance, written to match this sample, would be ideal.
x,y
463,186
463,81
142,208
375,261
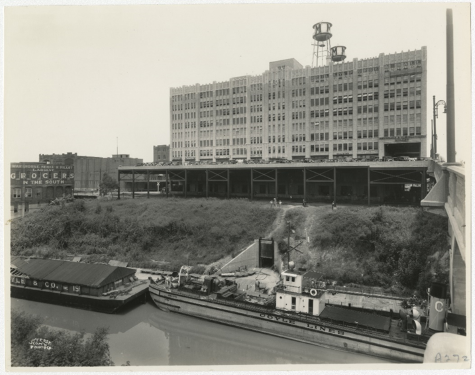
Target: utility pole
x,y
434,114
288,246
432,156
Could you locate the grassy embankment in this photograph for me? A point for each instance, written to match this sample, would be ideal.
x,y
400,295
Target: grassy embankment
x,y
396,249
172,231
400,250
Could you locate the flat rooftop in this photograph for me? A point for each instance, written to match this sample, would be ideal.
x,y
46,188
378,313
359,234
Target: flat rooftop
x,y
324,165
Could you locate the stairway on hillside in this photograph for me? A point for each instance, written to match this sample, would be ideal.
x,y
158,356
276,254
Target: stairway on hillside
x,y
278,221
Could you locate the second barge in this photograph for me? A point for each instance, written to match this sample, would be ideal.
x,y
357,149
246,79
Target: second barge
x,y
97,287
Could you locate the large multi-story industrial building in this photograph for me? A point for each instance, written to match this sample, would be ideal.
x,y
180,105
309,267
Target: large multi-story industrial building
x,y
360,109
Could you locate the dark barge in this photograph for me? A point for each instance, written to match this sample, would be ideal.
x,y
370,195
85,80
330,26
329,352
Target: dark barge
x,y
97,287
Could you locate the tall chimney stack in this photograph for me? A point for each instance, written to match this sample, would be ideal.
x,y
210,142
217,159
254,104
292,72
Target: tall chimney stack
x,y
450,89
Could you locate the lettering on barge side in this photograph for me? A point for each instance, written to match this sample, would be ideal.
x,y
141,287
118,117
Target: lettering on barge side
x,y
308,325
277,318
325,329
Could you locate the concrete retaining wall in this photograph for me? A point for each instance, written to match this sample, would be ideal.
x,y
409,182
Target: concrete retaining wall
x,y
248,258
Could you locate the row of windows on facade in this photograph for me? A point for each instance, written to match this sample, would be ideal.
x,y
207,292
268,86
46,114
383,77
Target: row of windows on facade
x,y
316,102
28,192
258,108
390,81
209,142
394,106
209,94
398,119
393,93
402,92
221,102
404,118
256,98
365,133
324,147
186,106
276,84
223,152
302,80
388,120
223,122
403,64
324,101
411,131
276,150
296,149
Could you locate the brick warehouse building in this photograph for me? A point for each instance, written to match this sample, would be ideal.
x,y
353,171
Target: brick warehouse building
x,y
34,184
361,109
90,169
161,153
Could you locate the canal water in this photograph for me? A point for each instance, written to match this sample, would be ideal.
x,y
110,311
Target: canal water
x,y
147,336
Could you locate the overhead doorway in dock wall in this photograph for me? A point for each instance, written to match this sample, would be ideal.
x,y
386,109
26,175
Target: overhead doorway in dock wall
x,y
266,253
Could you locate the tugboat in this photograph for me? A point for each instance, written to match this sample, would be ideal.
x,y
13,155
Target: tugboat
x,y
293,308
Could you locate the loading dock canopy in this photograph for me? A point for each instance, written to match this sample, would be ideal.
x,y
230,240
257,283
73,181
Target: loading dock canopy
x,y
356,318
92,275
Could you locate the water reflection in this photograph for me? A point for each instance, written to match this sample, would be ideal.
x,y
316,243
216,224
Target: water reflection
x,y
147,336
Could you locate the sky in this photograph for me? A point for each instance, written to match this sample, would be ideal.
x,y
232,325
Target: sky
x,y
77,78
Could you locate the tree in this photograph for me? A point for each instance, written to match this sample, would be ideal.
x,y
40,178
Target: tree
x,y
35,345
107,185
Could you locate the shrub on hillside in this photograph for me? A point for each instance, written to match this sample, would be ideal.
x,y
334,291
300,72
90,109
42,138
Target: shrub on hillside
x,y
382,246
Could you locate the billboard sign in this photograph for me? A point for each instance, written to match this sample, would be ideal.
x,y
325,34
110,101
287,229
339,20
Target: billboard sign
x,y
41,174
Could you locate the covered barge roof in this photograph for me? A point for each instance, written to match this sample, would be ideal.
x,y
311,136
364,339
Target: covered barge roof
x,y
357,318
92,275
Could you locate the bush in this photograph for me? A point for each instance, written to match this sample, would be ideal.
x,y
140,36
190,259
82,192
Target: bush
x,y
62,348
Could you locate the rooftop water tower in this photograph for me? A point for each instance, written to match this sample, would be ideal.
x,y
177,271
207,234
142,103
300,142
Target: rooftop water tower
x,y
323,52
338,53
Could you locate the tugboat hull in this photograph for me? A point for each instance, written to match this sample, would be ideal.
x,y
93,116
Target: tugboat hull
x,y
274,322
